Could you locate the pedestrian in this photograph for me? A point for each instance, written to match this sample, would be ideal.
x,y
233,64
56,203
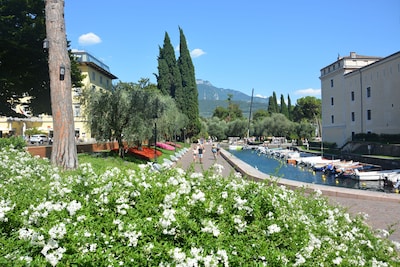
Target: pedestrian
x,y
200,151
218,148
214,151
195,151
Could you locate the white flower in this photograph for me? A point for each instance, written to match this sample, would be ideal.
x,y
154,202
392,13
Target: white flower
x,y
73,207
273,228
133,238
224,195
54,257
210,227
337,260
199,196
178,255
240,225
25,234
58,231
5,206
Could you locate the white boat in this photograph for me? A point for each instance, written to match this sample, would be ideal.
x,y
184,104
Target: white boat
x,y
391,175
235,143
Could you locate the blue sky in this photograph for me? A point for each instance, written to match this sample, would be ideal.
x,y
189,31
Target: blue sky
x,y
266,45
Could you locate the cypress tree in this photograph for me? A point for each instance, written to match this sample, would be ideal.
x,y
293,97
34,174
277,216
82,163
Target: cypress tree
x,y
290,108
168,78
273,104
187,97
284,108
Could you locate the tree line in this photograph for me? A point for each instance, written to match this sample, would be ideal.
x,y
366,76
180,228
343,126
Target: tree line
x,y
301,121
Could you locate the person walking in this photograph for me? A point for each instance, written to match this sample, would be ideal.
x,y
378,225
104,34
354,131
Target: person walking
x,y
195,152
200,151
214,151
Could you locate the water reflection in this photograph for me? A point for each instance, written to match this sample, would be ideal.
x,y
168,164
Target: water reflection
x,y
279,168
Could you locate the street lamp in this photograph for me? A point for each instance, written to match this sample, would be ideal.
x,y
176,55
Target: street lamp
x,y
45,45
62,72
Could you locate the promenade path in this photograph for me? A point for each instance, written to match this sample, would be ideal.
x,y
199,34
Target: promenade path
x,y
383,209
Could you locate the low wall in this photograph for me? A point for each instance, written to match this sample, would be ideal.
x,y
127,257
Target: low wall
x,y
45,151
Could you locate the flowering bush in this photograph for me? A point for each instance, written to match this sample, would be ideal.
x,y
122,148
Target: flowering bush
x,y
133,217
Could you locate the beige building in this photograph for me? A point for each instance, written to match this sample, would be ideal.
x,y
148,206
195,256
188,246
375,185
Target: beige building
x,y
360,94
96,74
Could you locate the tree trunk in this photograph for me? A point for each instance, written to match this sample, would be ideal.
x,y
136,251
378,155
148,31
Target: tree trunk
x,y
64,152
121,148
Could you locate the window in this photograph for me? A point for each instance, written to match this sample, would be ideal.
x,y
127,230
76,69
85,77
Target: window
x,y
332,83
369,114
352,96
101,79
93,76
368,91
331,101
77,110
77,91
333,119
353,116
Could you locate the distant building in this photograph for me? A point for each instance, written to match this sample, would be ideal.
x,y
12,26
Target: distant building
x,y
360,94
97,76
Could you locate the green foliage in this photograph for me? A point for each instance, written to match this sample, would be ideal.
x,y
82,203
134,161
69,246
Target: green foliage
x,y
260,114
128,113
115,214
231,113
33,131
15,142
379,138
284,109
187,99
308,108
290,108
237,128
217,128
273,104
169,78
24,65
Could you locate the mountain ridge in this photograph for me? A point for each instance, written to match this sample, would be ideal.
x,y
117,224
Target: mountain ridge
x,y
210,97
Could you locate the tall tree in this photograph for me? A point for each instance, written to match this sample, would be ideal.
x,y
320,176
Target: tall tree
x,y
284,109
168,78
64,152
307,108
290,108
273,104
187,98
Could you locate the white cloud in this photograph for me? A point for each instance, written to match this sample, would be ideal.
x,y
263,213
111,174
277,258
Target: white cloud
x,y
308,92
89,39
260,96
197,52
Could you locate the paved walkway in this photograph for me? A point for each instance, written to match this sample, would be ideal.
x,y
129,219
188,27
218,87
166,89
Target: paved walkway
x,y
383,210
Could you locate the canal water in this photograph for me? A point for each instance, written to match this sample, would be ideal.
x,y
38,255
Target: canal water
x,y
279,168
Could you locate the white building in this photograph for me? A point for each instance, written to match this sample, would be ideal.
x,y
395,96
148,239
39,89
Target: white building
x,y
360,94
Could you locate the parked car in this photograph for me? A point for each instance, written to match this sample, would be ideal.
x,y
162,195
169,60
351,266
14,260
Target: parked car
x,y
39,138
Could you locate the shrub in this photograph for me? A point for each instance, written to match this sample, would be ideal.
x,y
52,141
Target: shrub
x,y
130,216
16,142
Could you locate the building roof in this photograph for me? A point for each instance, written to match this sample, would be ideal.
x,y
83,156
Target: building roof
x,y
84,58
